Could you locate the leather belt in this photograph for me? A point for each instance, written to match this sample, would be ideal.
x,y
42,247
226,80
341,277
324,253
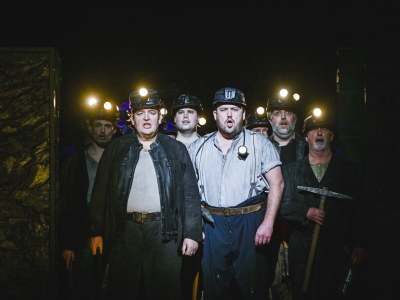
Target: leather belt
x,y
232,211
140,218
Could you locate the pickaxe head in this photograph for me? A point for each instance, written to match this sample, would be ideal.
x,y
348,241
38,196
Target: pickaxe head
x,y
323,192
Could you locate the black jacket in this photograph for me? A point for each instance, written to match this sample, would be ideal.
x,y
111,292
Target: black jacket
x,y
179,196
73,208
301,145
341,226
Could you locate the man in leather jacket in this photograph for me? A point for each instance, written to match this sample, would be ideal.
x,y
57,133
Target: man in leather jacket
x,y
145,207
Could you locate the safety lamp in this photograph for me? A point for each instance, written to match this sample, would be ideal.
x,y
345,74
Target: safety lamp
x,y
202,121
260,110
283,93
317,112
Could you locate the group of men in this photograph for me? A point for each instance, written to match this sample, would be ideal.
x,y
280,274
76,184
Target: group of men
x,y
155,200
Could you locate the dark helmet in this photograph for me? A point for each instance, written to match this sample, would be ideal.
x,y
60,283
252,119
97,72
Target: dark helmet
x,y
103,111
186,100
150,99
281,104
313,121
168,128
229,95
256,120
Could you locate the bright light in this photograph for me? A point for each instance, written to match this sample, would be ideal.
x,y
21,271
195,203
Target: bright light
x,y
202,121
143,92
296,97
92,101
317,112
283,92
260,110
107,105
163,111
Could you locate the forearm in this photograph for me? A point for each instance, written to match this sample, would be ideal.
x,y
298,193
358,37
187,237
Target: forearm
x,y
273,203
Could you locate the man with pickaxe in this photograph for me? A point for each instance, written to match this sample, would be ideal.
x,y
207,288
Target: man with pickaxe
x,y
321,193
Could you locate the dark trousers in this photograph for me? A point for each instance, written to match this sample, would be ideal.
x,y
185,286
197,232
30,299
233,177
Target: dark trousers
x,y
230,255
325,278
143,266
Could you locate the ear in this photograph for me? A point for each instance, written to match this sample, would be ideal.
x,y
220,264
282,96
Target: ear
x,y
332,136
244,115
215,114
159,118
133,122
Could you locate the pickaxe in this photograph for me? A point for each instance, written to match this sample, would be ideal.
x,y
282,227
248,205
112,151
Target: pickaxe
x,y
323,192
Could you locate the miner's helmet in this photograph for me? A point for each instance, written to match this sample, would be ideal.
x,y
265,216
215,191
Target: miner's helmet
x,y
186,100
318,119
99,110
281,104
255,120
168,128
144,99
229,95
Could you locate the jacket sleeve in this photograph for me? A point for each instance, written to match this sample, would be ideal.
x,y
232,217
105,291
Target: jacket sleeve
x,y
192,216
290,208
99,199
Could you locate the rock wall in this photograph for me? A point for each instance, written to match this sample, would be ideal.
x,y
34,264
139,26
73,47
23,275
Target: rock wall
x,y
29,83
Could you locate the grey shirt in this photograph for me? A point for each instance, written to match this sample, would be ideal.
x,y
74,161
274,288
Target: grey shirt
x,y
144,195
226,180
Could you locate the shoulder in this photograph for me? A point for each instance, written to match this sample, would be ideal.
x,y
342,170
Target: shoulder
x,y
199,142
170,142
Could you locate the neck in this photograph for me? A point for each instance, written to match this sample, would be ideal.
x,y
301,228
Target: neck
x,y
146,141
95,151
283,141
224,142
319,157
187,137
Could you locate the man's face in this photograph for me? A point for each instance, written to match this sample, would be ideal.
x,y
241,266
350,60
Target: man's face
x,y
186,119
101,131
283,122
261,130
229,119
146,122
319,139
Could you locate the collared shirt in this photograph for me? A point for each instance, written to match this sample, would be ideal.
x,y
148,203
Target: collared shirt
x,y
227,180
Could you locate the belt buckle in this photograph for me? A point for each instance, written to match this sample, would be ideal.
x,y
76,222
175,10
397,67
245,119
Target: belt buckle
x,y
227,212
142,217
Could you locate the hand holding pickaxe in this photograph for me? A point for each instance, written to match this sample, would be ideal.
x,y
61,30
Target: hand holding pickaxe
x,y
317,215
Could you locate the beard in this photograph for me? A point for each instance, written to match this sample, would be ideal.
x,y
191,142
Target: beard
x,y
283,132
320,144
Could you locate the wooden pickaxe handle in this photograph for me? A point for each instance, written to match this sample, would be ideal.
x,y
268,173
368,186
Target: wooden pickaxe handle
x,y
313,246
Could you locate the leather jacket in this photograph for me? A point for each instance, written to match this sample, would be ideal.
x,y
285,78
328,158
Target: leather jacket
x,y
179,196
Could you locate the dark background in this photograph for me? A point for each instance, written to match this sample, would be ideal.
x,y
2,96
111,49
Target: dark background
x,y
198,47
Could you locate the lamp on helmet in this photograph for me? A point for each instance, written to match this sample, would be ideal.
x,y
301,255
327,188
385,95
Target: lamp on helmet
x,y
318,119
186,100
256,120
281,104
229,95
144,99
97,110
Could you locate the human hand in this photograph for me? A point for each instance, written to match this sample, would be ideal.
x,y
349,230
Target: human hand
x,y
316,215
68,256
357,256
263,234
96,242
189,247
